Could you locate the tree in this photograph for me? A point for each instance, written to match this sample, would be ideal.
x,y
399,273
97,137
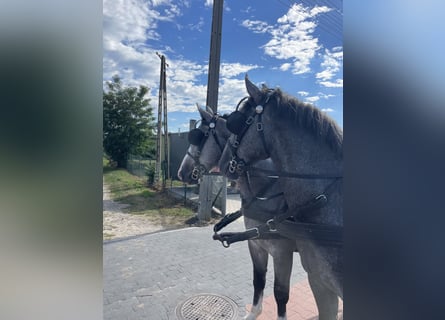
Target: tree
x,y
128,121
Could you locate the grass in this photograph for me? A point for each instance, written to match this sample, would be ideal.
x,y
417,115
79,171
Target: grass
x,y
132,190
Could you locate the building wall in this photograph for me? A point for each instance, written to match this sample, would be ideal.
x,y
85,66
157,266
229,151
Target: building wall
x,y
178,148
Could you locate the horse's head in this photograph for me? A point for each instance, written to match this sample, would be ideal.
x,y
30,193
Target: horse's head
x,y
247,143
206,145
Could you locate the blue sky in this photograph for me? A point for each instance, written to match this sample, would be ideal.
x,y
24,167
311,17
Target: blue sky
x,y
296,46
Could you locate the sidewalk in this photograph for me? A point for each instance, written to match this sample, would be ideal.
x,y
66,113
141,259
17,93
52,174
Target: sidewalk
x,y
150,276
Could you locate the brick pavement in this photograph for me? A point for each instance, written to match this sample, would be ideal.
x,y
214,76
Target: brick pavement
x,y
148,276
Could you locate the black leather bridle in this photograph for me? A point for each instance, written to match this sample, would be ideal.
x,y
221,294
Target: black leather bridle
x,y
198,137
238,123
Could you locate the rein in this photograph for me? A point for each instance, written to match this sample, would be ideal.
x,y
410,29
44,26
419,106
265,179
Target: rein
x,y
285,224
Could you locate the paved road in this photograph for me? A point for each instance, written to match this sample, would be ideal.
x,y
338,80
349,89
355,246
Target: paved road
x,y
148,276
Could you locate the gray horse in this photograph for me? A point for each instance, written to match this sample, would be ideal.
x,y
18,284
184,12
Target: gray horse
x,y
306,148
207,143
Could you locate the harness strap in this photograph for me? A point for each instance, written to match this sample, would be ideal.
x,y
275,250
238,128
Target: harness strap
x,y
227,219
260,194
279,227
264,216
316,203
227,238
277,174
325,235
270,197
259,128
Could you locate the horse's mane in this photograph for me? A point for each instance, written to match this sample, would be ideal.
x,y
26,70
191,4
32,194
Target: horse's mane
x,y
309,117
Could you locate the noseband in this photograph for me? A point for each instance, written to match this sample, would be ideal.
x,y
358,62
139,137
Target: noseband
x,y
198,138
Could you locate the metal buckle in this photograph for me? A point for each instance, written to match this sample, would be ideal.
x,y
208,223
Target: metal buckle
x,y
195,173
259,126
249,120
232,165
257,232
198,171
271,224
235,144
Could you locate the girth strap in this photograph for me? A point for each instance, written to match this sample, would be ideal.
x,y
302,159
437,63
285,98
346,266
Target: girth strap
x,y
324,235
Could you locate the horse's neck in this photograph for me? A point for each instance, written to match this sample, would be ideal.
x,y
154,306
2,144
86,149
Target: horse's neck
x,y
296,150
299,152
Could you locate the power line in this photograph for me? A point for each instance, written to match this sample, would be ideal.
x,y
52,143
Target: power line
x,y
321,26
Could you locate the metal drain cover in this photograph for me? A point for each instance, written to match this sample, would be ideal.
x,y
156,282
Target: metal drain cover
x,y
207,307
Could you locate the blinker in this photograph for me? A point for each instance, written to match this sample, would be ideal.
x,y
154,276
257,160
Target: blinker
x,y
195,137
235,122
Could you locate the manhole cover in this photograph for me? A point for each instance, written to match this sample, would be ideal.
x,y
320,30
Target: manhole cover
x,y
207,307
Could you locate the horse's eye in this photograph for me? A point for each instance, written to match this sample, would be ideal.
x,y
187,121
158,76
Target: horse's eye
x,y
195,137
236,122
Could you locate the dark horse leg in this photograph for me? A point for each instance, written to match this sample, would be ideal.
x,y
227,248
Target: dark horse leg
x,y
326,299
259,258
283,269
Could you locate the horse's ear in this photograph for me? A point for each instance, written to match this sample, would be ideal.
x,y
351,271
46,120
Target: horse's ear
x,y
204,114
253,90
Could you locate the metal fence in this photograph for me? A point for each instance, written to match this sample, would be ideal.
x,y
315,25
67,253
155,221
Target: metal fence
x,y
140,166
213,187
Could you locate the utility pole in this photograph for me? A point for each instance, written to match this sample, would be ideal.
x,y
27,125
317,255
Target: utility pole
x,y
215,56
162,165
166,163
213,187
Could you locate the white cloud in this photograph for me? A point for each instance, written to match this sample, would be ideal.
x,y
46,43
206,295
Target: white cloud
x,y
292,37
233,69
331,66
337,84
285,66
197,26
256,26
129,35
327,110
312,99
317,10
128,25
248,10
303,93
325,96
